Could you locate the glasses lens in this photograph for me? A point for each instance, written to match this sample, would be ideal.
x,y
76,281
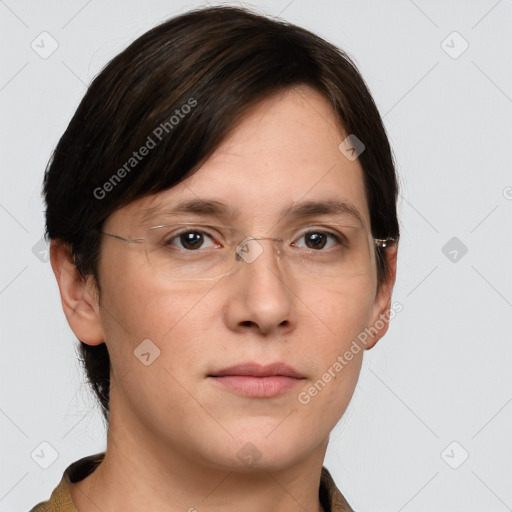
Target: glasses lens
x,y
185,252
335,252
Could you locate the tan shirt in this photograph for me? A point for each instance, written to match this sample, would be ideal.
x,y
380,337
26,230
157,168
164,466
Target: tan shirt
x,y
60,501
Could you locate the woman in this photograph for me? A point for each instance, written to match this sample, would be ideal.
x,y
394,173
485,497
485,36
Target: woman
x,y
222,216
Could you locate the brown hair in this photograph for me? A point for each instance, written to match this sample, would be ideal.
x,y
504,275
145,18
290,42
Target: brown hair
x,y
220,61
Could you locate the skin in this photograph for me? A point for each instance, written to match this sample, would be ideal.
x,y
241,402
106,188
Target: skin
x,y
174,436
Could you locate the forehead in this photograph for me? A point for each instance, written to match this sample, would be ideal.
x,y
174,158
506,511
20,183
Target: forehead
x,y
283,156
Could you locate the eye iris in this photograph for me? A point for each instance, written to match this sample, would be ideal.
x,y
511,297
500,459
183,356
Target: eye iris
x,y
316,240
191,240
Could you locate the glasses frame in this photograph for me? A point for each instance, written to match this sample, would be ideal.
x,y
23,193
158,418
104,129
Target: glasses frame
x,y
381,243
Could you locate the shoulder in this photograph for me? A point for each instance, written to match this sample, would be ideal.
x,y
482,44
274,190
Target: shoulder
x,y
60,499
330,496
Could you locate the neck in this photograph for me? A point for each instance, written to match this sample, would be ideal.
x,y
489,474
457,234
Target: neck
x,y
137,469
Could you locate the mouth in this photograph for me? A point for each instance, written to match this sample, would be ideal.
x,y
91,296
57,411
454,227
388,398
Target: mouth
x,y
257,381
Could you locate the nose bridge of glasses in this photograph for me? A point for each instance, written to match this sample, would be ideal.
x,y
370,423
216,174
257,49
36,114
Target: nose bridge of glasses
x,y
249,249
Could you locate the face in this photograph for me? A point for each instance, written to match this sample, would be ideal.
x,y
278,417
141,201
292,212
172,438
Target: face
x,y
283,154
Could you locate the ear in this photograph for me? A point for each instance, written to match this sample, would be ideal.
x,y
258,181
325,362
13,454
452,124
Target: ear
x,y
380,311
79,295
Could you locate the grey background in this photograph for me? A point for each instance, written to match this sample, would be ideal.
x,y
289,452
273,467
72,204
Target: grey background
x,y
442,373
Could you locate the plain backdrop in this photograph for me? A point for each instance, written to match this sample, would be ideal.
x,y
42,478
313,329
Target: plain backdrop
x,y
429,426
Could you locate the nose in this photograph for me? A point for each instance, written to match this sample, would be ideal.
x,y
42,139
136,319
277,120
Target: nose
x,y
260,296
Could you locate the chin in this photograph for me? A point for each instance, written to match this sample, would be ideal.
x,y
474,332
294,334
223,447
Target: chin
x,y
263,449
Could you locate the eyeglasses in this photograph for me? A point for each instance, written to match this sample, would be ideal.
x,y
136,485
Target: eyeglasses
x,y
192,252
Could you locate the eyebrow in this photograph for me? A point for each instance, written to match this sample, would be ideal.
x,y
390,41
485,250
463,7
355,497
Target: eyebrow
x,y
214,208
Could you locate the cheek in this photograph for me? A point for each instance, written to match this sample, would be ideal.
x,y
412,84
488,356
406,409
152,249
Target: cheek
x,y
339,318
140,309
343,311
136,306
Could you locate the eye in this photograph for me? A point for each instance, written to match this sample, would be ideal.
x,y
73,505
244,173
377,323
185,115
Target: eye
x,y
190,240
318,240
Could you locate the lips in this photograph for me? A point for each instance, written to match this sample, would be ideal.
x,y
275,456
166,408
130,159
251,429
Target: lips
x,y
257,381
257,370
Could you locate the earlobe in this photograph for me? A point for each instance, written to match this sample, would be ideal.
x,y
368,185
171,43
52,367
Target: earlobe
x,y
381,308
78,295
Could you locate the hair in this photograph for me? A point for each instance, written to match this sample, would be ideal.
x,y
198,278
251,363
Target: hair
x,y
180,89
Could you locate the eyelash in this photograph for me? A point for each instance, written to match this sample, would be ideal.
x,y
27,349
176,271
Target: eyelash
x,y
337,237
